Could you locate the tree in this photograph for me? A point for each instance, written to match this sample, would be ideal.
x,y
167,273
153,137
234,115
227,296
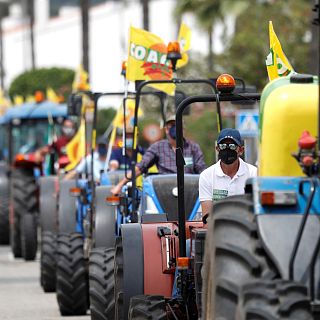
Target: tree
x,y
245,54
27,83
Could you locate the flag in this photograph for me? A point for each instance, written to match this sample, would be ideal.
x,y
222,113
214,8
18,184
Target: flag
x,y
52,96
76,148
147,59
17,100
184,39
80,82
118,119
277,63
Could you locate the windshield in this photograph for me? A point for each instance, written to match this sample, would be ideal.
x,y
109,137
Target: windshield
x,y
30,135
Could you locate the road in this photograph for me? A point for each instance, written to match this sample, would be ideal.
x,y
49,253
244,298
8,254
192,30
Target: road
x,y
21,296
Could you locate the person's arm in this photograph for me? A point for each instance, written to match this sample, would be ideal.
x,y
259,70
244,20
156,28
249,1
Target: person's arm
x,y
205,192
70,175
199,164
206,207
117,189
113,165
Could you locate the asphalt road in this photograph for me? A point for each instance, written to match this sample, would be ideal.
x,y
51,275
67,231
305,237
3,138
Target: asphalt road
x,y
21,296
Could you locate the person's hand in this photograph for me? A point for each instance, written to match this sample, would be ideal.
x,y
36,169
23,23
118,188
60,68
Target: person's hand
x,y
116,189
38,157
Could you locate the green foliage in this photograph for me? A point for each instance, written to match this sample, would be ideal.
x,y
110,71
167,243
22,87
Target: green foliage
x,y
245,54
202,128
59,79
104,119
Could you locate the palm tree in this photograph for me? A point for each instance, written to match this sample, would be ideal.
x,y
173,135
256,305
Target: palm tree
x,y
207,14
85,33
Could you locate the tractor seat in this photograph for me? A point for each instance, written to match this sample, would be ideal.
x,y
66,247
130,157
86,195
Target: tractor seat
x,y
165,190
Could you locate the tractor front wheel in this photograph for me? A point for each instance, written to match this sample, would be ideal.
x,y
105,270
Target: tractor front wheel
x,y
28,229
147,307
101,280
48,261
72,277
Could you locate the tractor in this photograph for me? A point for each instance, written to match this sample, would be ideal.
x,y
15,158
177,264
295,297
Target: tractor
x,y
4,184
262,247
29,127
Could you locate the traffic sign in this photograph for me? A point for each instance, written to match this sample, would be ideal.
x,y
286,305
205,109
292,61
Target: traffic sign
x,y
247,122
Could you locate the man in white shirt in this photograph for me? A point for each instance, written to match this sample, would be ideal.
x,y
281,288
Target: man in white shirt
x,y
228,176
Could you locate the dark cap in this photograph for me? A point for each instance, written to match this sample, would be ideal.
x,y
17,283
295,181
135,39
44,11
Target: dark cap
x,y
229,133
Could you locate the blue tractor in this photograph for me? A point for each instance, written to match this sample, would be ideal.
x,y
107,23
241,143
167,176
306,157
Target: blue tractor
x,y
262,248
29,127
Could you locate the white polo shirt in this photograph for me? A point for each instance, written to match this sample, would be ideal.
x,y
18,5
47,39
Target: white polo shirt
x,y
215,185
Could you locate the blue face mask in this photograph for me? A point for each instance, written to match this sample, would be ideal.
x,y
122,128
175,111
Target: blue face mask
x,y
129,142
172,132
102,150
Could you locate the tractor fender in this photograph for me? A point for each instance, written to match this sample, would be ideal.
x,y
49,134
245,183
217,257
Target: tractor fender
x,y
67,207
104,219
132,244
156,282
48,203
283,228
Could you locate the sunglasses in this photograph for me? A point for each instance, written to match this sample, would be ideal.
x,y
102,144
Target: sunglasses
x,y
231,146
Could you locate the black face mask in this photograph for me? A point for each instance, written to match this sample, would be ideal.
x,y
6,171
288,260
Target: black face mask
x,y
172,132
228,156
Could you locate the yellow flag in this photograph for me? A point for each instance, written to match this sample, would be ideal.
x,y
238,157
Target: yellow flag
x,y
52,96
184,39
17,100
30,98
80,82
76,148
147,59
277,63
118,119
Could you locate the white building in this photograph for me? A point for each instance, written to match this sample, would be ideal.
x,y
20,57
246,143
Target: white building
x,y
58,40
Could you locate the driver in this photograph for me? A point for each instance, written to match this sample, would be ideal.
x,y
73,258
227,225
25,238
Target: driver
x,y
162,154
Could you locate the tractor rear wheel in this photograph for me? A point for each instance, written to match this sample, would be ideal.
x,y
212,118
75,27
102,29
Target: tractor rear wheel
x,y
28,229
275,299
118,278
233,256
48,261
72,277
101,279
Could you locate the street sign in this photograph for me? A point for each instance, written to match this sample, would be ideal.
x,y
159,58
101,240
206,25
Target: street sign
x,y
247,122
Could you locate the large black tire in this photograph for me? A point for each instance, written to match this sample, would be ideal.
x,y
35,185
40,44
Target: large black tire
x,y
101,283
15,239
48,263
233,256
48,203
275,299
118,281
4,205
24,200
147,307
72,276
29,244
